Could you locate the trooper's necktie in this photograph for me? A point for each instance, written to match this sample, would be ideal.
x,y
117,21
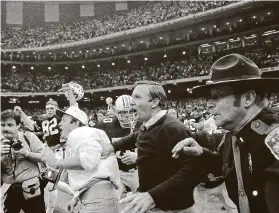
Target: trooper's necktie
x,y
243,199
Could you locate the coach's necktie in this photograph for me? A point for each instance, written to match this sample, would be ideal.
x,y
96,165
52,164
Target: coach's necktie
x,y
243,199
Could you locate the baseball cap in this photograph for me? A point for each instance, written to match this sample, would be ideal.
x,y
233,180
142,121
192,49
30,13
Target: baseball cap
x,y
75,112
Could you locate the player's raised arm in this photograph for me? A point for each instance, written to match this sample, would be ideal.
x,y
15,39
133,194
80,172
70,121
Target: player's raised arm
x,y
27,122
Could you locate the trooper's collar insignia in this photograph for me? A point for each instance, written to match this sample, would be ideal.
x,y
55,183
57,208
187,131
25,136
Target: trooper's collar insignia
x,y
272,142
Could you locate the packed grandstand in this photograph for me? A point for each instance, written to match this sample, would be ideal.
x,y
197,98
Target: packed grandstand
x,y
164,56
171,42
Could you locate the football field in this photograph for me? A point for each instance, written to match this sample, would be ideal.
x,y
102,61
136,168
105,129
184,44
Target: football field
x,y
213,200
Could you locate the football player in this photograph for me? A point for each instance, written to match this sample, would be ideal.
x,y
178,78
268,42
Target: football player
x,y
48,123
122,124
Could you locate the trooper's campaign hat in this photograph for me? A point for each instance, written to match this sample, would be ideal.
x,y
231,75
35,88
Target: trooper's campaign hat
x,y
238,71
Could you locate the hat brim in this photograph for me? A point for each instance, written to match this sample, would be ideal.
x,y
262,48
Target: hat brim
x,y
269,85
60,113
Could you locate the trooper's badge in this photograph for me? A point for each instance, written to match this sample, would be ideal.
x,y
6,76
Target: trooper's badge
x,y
272,142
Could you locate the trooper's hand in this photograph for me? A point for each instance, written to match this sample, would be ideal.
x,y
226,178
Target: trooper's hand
x,y
5,147
129,158
189,146
18,110
107,149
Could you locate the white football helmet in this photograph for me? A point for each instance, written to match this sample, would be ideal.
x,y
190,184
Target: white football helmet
x,y
126,115
77,90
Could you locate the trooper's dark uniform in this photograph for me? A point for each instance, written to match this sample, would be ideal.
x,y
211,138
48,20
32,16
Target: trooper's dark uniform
x,y
253,149
260,168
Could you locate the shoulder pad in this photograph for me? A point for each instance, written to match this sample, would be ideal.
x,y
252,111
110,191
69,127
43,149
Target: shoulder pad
x,y
272,142
262,128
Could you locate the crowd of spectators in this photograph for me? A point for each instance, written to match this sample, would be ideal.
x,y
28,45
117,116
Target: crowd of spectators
x,y
151,13
186,108
26,80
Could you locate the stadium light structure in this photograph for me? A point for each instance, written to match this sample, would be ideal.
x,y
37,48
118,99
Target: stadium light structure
x,y
165,55
240,20
73,52
49,68
183,52
112,63
107,48
82,66
98,65
14,67
31,68
268,13
66,68
145,58
128,61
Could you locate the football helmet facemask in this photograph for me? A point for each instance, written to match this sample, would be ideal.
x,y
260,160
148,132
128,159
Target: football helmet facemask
x,y
126,115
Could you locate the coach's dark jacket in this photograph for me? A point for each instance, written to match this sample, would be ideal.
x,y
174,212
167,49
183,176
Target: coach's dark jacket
x,y
260,169
169,181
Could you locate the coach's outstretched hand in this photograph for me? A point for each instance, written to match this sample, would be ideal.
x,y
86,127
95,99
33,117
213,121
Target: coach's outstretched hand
x,y
189,146
138,203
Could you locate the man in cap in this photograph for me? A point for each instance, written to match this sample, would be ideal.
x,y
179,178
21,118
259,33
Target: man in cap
x,y
248,159
93,180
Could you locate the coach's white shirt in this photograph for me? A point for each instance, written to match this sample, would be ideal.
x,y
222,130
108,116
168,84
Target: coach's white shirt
x,y
85,143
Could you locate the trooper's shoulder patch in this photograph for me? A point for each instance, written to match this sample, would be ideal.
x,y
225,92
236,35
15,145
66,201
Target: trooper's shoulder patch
x,y
272,142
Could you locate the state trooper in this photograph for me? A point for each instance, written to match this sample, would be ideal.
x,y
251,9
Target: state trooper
x,y
248,153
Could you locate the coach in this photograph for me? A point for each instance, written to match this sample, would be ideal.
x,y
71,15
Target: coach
x,y
164,182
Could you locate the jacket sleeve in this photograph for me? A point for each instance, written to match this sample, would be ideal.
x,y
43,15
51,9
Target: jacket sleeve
x,y
125,143
212,154
187,176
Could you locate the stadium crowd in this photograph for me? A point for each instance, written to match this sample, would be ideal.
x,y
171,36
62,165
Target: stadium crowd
x,y
24,80
150,13
186,108
192,112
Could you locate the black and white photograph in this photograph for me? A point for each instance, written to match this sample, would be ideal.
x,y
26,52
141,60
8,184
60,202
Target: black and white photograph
x,y
139,106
